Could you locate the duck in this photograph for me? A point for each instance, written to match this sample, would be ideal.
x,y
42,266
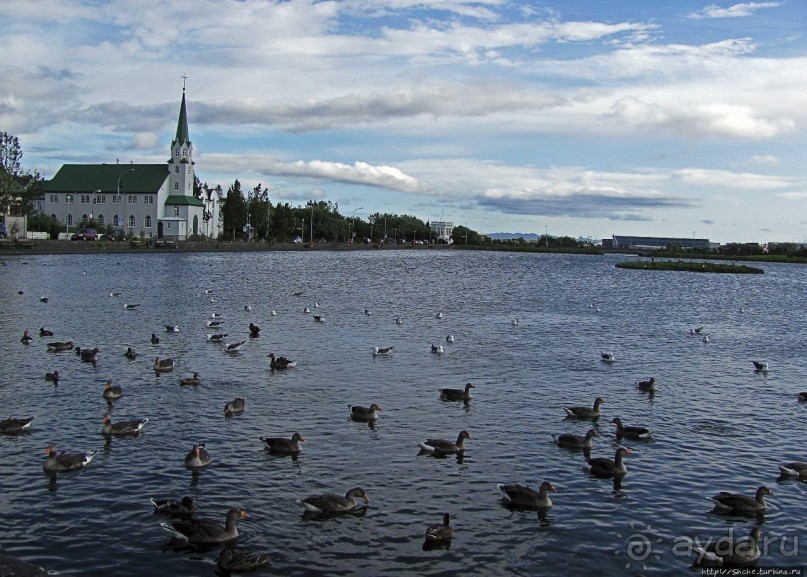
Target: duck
x,y
760,366
63,462
442,532
131,306
604,467
736,503
239,560
207,531
12,426
233,347
88,355
319,318
281,362
576,441
381,351
234,407
457,394
316,305
437,349
592,413
217,338
112,392
60,346
523,497
182,508
43,332
155,340
52,377
197,457
283,446
254,330
333,503
695,330
445,447
121,428
630,432
728,551
172,328
190,381
27,339
164,365
359,413
450,339
130,354
648,385
607,357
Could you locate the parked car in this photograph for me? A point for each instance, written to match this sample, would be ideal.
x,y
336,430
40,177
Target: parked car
x,y
3,230
86,234
114,234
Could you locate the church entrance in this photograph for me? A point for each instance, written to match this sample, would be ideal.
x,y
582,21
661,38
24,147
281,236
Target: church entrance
x,y
159,229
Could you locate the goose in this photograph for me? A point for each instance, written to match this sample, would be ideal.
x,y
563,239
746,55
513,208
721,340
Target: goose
x,y
648,385
254,330
172,328
130,354
445,447
319,318
728,551
164,365
281,362
796,469
190,381
131,306
62,462
457,394
217,338
359,413
398,321
333,503
121,428
607,357
381,351
604,467
234,407
52,377
233,347
27,339
12,426
197,457
522,497
238,560
112,392
437,349
637,433
736,503
206,531
576,441
442,532
155,340
760,366
802,396
43,332
183,508
88,355
283,446
60,346
592,413
214,323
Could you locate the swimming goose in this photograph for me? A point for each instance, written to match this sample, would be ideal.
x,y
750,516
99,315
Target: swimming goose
x,y
736,503
445,447
183,508
164,365
190,381
604,467
607,357
281,362
121,428
760,366
112,392
254,330
802,396
333,503
360,413
522,497
576,441
381,350
729,551
60,346
283,446
52,377
585,412
88,355
457,394
233,347
27,339
437,349
638,433
648,385
441,532
217,338
12,426
61,462
796,469
130,354
172,328
234,407
207,531
197,457
131,307
238,560
155,340
45,333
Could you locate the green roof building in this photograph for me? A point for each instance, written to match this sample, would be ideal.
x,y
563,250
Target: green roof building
x,y
149,200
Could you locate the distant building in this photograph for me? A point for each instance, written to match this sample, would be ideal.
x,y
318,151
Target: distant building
x,y
443,230
657,243
150,200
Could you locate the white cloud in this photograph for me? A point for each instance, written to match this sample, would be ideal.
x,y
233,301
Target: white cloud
x,y
792,195
735,11
765,160
728,179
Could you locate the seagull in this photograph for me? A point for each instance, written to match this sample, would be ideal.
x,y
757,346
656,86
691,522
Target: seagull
x,y
215,323
607,357
43,299
514,322
208,291
274,313
760,366
233,347
437,349
705,338
438,316
319,318
367,312
398,321
131,307
247,308
114,294
306,310
381,350
172,328
217,338
215,315
450,339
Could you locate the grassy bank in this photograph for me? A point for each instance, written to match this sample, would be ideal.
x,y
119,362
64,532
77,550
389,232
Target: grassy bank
x,y
690,266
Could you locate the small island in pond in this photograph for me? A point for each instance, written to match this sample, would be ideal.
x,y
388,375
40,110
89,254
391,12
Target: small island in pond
x,y
689,266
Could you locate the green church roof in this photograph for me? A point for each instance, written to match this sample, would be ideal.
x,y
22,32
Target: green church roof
x,y
80,178
182,124
180,200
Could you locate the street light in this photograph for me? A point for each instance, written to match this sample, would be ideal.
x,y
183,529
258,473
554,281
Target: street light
x,y
92,202
118,192
350,238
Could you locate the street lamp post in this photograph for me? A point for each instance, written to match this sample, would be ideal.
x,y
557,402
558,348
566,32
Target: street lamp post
x,y
69,199
353,216
119,197
92,203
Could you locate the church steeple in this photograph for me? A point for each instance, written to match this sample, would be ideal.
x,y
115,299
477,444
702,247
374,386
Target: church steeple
x,y
182,124
180,165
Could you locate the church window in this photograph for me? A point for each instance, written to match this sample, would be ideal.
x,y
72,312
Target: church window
x,y
131,221
147,222
69,220
176,211
100,220
176,186
176,169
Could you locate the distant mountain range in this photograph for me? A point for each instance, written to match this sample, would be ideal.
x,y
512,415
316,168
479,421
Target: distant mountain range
x,y
509,235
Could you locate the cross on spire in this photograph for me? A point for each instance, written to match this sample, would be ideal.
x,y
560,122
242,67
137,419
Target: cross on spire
x,y
184,77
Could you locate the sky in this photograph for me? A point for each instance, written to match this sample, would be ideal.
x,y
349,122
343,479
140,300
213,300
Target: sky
x,y
586,118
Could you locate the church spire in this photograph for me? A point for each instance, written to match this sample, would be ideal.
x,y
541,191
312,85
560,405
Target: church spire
x,y
182,124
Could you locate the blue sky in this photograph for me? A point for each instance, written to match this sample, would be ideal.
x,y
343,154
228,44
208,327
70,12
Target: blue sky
x,y
583,118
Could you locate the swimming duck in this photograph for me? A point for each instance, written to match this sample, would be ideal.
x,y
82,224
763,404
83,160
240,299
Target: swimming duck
x,y
52,377
208,291
234,407
522,497
217,338
728,551
445,447
130,354
183,508
333,503
207,531
215,315
457,394
281,362
197,457
796,469
112,392
592,413
638,433
238,560
273,313
43,332
283,446
27,339
155,340
60,346
514,322
12,426
114,294
164,365
381,350
648,385
576,441
441,532
736,503
360,413
604,467
121,428
190,381
607,357
62,462
367,312
254,330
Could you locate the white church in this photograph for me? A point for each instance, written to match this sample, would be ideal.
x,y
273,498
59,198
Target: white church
x,y
145,200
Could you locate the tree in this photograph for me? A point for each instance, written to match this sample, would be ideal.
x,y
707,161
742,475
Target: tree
x,y
234,212
259,206
18,189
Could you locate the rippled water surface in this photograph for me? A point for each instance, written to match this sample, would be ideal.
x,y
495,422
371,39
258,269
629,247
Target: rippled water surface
x,y
717,424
